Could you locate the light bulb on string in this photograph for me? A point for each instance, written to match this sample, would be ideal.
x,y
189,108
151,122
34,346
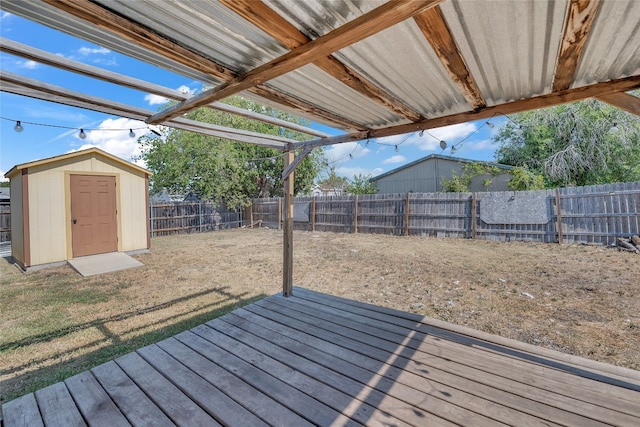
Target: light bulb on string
x,y
453,150
350,156
132,134
490,125
397,149
82,135
519,131
421,132
366,144
18,127
443,144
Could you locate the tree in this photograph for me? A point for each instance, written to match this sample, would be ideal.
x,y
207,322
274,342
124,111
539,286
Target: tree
x,y
332,181
582,143
361,184
462,183
222,170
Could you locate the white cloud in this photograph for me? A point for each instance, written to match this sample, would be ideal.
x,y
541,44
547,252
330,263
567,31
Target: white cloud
x,y
2,178
155,99
394,159
30,65
113,137
350,172
93,50
484,144
4,15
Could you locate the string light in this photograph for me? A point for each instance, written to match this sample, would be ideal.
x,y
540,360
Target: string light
x,y
82,135
443,144
397,149
366,144
18,127
491,125
453,149
132,134
421,133
614,128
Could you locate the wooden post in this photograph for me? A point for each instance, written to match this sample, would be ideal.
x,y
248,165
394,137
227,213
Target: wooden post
x,y
313,213
406,215
474,212
280,213
558,217
287,260
251,214
355,216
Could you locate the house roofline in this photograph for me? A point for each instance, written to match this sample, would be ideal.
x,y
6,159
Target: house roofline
x,y
443,157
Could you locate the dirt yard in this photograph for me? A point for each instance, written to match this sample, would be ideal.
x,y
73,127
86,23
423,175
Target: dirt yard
x,y
582,300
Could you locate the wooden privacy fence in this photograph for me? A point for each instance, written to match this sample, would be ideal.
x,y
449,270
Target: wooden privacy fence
x,y
594,214
176,218
5,223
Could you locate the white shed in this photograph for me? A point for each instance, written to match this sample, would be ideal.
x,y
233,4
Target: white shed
x,y
82,203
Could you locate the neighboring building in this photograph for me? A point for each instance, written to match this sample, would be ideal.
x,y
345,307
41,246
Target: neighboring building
x,y
425,176
5,196
322,191
82,203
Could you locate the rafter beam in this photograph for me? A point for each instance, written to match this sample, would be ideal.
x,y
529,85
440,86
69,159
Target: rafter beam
x,y
142,36
12,83
269,21
380,18
577,27
597,90
42,57
622,100
434,27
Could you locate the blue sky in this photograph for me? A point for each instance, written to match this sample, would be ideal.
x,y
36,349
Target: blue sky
x,y
54,128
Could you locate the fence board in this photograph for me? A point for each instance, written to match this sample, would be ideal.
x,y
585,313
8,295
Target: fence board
x,y
178,218
593,214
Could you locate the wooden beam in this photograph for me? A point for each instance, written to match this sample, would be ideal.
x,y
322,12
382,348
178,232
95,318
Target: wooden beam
x,y
33,54
292,166
622,100
368,24
542,101
434,27
577,27
287,244
142,36
269,21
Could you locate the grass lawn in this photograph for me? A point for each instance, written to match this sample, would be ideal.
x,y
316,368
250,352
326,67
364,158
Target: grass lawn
x,y
582,300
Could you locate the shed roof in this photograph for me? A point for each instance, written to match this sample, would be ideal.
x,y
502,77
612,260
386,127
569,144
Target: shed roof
x,y
374,68
90,151
442,157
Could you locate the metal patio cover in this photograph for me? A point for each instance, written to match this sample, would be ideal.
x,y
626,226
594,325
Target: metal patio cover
x,y
370,68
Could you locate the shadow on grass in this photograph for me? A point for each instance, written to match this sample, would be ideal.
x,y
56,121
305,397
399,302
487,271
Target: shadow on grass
x,y
44,376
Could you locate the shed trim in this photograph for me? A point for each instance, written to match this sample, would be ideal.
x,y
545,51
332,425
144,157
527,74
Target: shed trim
x,y
26,235
93,151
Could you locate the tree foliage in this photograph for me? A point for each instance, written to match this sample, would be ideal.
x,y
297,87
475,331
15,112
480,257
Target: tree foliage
x,y
222,170
462,183
361,184
573,144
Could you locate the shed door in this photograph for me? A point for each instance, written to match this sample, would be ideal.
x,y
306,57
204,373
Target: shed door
x,y
94,228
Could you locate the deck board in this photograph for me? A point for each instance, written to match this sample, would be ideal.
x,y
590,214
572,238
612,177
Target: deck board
x,y
316,359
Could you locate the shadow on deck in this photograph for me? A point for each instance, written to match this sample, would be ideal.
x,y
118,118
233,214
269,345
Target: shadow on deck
x,y
315,359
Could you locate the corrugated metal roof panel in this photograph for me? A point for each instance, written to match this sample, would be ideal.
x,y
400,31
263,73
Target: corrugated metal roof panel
x,y
319,88
613,49
402,63
205,27
510,47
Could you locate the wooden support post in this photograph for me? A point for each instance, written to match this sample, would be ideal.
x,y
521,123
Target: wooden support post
x,y
287,260
474,212
558,217
355,216
313,213
406,215
251,215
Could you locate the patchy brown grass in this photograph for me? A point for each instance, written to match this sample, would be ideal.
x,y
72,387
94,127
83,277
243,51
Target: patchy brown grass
x,y
581,300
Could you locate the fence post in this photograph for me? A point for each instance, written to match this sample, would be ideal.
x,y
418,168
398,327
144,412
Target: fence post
x,y
251,215
558,217
279,213
406,215
151,218
313,213
200,216
355,216
474,212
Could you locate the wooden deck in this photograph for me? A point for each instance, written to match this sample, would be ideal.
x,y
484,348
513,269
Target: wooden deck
x,y
315,359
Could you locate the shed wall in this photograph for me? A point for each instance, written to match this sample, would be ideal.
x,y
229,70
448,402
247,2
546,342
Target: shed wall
x,y
17,224
50,206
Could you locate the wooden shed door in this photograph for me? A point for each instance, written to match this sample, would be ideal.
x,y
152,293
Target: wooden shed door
x,y
94,228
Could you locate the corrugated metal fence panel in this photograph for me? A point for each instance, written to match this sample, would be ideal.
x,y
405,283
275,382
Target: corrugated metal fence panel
x,y
593,215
